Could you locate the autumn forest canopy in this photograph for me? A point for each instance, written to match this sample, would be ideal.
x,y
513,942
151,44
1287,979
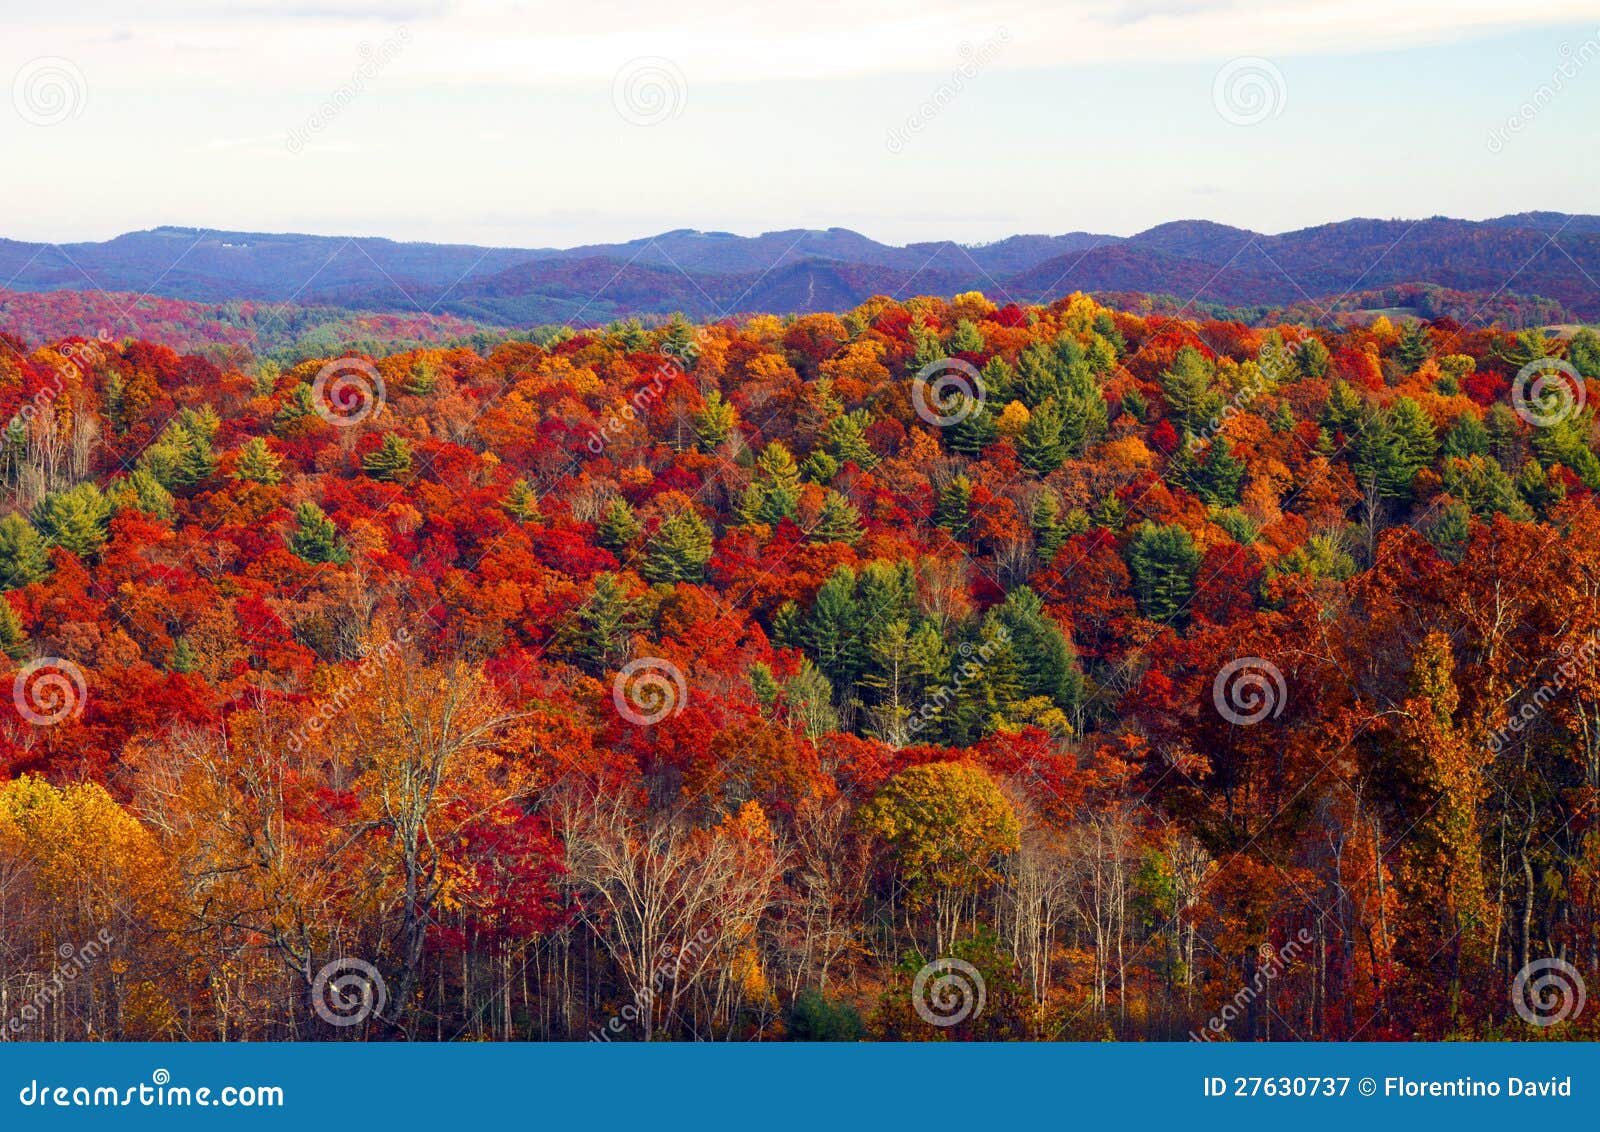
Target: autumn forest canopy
x,y
1157,677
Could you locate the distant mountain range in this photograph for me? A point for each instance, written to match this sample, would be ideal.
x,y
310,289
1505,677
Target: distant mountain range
x,y
1552,256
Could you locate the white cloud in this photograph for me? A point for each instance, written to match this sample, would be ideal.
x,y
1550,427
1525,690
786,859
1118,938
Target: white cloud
x,y
176,44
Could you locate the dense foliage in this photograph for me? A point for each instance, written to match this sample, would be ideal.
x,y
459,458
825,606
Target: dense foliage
x,y
712,681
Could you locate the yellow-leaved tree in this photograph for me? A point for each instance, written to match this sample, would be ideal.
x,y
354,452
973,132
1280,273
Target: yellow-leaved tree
x,y
947,827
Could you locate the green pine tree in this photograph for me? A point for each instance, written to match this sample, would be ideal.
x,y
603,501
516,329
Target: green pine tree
x,y
631,333
143,492
965,338
679,549
315,538
1483,487
296,407
521,502
785,632
183,659
1413,348
1038,376
999,380
197,464
831,631
680,342
1467,437
764,686
606,624
258,463
13,637
1505,435
24,558
715,421
1419,439
1163,562
845,439
987,681
1049,534
1346,413
953,510
391,460
974,430
1393,448
76,519
809,699
887,591
1186,386
1583,352
1538,488
1047,661
1135,404
1314,359
1041,446
420,379
819,467
1221,475
838,521
1451,531
774,493
617,527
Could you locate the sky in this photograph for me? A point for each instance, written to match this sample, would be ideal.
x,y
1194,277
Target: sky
x,y
541,124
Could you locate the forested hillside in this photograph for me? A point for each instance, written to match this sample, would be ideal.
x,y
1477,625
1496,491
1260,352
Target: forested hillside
x,y
712,275
719,681
231,331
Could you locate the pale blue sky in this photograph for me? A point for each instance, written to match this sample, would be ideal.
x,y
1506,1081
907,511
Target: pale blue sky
x,y
499,123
